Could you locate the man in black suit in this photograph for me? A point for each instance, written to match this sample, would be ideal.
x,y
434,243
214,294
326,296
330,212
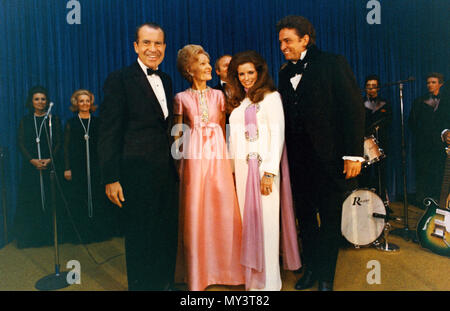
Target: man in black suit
x,y
429,121
378,120
221,68
136,164
324,119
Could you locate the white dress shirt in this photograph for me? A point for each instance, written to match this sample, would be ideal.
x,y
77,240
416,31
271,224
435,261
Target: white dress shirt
x,y
157,86
295,80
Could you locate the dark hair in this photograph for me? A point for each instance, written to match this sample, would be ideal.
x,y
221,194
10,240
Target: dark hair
x,y
35,90
151,25
216,64
301,25
262,86
437,75
372,77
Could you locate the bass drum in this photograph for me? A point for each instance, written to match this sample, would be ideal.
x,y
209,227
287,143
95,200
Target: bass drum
x,y
363,217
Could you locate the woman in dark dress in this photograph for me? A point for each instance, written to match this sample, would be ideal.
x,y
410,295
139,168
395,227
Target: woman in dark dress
x,y
33,226
86,198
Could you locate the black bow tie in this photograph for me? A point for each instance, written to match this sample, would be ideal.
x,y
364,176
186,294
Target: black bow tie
x,y
297,68
152,71
434,96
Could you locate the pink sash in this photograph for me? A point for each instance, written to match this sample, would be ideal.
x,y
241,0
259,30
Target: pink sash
x,y
252,257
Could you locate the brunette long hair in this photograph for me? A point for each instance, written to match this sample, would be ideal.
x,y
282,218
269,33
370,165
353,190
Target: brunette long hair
x,y
263,85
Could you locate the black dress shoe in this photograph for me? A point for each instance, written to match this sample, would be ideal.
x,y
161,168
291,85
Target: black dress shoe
x,y
306,281
325,286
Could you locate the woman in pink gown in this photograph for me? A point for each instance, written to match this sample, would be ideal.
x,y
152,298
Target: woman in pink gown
x,y
210,224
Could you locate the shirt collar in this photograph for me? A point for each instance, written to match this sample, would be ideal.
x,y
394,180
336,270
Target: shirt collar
x,y
302,56
143,67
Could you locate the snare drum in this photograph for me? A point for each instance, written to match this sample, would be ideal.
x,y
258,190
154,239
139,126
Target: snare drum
x,y
372,152
363,217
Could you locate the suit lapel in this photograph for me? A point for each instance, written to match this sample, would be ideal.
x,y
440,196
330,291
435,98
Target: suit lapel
x,y
143,83
312,54
304,80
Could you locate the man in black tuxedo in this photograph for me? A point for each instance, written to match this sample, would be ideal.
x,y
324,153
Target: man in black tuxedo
x,y
324,118
378,120
136,164
221,68
429,121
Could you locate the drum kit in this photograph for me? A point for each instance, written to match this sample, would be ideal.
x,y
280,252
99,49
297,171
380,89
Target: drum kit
x,y
364,214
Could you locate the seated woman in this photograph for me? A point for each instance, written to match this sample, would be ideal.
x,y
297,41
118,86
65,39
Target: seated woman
x,y
86,197
257,145
33,223
210,226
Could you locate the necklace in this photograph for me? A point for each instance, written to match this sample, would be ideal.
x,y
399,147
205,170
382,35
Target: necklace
x,y
203,104
38,134
86,131
38,142
88,166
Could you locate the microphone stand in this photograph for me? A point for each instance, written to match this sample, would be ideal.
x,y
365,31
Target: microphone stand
x,y
404,232
5,213
57,280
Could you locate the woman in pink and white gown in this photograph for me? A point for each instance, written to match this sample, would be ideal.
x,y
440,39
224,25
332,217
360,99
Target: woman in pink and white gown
x,y
210,225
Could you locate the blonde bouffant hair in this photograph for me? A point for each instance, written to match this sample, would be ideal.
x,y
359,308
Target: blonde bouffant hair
x,y
186,56
74,100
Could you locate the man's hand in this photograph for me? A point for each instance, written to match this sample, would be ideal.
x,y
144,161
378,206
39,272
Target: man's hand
x,y
266,184
46,162
40,164
114,193
351,168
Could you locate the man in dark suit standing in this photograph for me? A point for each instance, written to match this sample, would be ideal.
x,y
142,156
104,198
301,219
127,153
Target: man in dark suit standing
x,y
324,118
429,121
378,120
136,164
221,68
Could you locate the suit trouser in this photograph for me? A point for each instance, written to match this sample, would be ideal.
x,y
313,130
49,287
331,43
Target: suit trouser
x,y
151,221
320,189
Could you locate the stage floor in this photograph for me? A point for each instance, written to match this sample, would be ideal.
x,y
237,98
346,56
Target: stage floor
x,y
412,268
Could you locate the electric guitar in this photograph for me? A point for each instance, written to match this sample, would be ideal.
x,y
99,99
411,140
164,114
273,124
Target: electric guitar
x,y
433,229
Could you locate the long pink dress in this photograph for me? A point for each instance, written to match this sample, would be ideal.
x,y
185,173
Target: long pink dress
x,y
210,223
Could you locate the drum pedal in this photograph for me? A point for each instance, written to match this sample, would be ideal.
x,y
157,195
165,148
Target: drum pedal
x,y
386,247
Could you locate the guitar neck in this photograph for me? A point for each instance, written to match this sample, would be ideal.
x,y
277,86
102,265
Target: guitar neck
x,y
445,182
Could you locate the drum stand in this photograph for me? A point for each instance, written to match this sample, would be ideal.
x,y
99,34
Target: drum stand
x,y
380,188
386,246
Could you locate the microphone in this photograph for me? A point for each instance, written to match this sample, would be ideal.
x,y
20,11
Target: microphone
x,y
49,109
399,82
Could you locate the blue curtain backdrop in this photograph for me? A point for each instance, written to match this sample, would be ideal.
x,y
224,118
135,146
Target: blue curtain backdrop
x,y
40,47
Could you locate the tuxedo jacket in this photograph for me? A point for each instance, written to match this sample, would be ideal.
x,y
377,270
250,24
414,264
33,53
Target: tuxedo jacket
x,y
326,109
427,126
132,124
218,86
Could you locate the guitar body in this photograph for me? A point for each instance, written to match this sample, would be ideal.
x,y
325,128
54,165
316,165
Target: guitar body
x,y
433,229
